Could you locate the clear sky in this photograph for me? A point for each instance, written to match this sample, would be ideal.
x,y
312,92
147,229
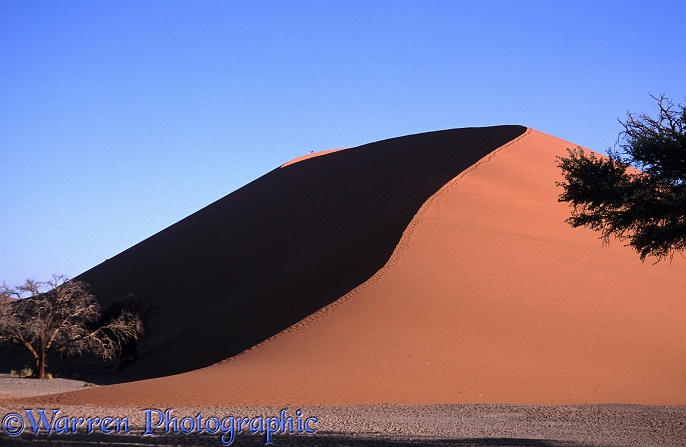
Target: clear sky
x,y
119,118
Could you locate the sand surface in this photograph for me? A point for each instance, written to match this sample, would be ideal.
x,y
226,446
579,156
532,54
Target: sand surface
x,y
278,249
488,298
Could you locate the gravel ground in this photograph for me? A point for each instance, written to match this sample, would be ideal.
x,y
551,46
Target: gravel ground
x,y
381,425
360,425
11,386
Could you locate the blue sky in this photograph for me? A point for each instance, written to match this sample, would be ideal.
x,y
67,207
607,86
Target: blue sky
x,y
119,118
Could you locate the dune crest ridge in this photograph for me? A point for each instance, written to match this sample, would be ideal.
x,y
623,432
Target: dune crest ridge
x,y
310,155
489,297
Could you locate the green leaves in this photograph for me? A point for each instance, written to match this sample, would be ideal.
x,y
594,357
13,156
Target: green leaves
x,y
647,207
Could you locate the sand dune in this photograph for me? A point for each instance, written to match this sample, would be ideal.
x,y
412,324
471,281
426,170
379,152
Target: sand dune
x,y
487,297
273,252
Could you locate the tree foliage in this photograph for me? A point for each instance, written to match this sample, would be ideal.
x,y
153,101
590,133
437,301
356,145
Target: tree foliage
x,y
638,193
58,315
136,306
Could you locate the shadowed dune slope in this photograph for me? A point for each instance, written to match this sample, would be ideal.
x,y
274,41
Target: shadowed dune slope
x,y
282,247
488,297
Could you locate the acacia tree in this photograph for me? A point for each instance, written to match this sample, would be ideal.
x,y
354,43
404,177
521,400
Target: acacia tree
x,y
58,315
638,193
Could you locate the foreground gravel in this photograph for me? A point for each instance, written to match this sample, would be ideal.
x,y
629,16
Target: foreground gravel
x,y
12,386
381,425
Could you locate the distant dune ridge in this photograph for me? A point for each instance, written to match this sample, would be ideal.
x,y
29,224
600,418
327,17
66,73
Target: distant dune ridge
x,y
423,269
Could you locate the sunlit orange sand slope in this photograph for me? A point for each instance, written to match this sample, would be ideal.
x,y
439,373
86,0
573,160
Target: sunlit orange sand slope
x,y
488,297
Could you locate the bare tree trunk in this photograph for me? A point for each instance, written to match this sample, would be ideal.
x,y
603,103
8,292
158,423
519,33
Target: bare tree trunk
x,y
40,364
